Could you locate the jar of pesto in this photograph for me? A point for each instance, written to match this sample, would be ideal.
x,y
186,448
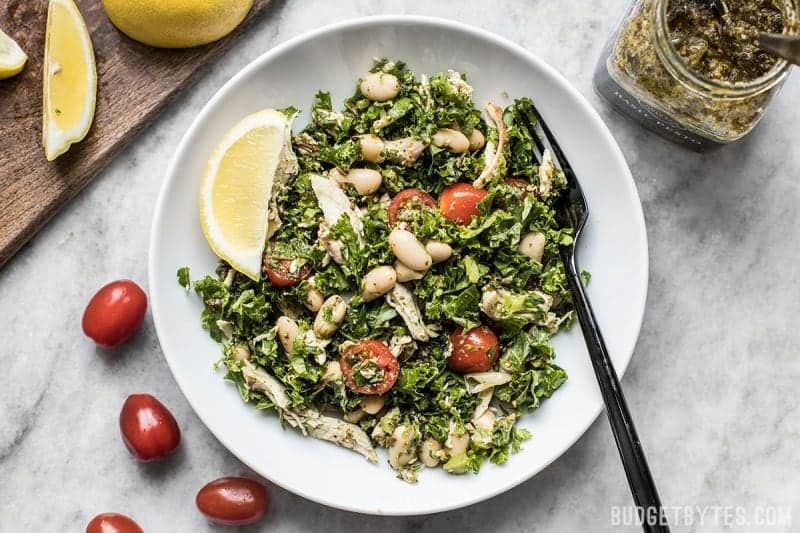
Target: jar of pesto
x,y
692,75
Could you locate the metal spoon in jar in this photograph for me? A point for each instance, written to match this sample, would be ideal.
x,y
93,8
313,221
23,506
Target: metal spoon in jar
x,y
784,46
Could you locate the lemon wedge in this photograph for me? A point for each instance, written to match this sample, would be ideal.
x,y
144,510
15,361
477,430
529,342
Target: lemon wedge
x,y
70,79
12,58
237,188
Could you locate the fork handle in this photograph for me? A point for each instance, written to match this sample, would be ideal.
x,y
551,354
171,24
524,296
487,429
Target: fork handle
x,y
643,488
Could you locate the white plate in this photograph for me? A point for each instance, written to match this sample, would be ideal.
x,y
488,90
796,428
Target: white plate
x,y
614,249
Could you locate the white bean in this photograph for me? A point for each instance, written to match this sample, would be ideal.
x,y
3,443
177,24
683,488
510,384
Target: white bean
x,y
379,86
428,452
402,451
287,332
364,180
450,139
406,274
372,404
476,140
456,444
439,251
314,299
329,317
371,148
405,151
378,282
409,250
532,245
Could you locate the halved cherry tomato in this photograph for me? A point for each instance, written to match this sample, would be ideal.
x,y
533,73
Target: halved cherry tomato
x,y
473,351
278,270
406,196
459,202
112,523
114,313
233,501
148,428
369,367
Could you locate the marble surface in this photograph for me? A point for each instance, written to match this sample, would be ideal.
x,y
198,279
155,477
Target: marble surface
x,y
712,385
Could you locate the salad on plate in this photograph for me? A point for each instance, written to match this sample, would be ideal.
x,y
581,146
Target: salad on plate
x,y
389,275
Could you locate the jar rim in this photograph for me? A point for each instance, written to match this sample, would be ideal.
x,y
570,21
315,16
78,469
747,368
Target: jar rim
x,y
678,68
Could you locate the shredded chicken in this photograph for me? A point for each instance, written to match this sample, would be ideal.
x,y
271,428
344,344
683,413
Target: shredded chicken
x,y
492,302
402,300
495,304
484,399
287,169
332,246
402,347
309,421
334,203
478,382
458,84
339,432
425,91
547,172
329,117
226,327
405,151
306,144
258,379
493,155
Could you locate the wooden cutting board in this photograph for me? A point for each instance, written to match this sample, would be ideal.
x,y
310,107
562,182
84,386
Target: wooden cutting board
x,y
135,82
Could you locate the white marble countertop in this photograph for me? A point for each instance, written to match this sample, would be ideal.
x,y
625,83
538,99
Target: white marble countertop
x,y
712,386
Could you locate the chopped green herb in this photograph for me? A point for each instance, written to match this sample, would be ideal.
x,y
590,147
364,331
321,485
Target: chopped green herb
x,y
183,277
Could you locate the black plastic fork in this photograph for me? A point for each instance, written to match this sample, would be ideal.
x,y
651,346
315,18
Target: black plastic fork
x,y
572,211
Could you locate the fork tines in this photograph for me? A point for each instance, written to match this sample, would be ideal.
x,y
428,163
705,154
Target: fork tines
x,y
544,139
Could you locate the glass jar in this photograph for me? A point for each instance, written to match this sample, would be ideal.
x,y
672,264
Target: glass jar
x,y
642,75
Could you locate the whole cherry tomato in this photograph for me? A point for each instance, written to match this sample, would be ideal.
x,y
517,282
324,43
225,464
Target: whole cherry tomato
x,y
278,270
405,197
148,428
114,313
473,351
233,501
112,523
459,202
369,367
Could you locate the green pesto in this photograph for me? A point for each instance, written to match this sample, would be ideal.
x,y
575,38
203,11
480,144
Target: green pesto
x,y
724,49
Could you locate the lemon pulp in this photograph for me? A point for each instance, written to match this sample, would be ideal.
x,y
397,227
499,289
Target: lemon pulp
x,y
70,79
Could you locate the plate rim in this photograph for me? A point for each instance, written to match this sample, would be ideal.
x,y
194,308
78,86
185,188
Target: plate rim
x,y
406,20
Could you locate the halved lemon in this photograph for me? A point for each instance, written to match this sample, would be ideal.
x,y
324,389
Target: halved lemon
x,y
70,79
12,58
237,186
176,23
